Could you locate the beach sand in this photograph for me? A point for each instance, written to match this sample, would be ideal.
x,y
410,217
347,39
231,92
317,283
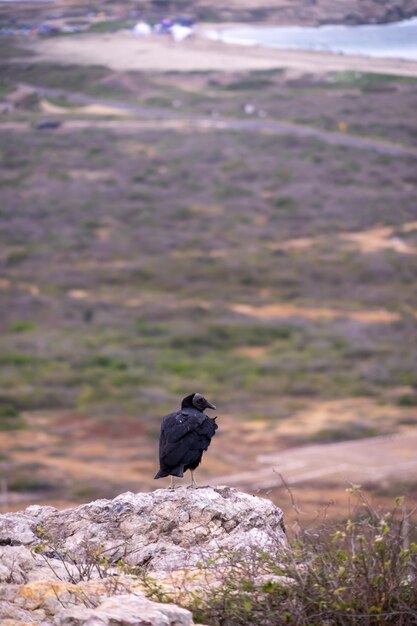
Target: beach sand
x,y
123,51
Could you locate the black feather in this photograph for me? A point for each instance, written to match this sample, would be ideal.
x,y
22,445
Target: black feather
x,y
185,436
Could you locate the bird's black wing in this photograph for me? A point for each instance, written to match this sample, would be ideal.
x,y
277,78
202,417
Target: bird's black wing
x,y
197,442
183,431
176,425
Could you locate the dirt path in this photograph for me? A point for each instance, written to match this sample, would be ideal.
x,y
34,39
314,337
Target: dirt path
x,y
371,460
180,124
366,241
283,310
159,119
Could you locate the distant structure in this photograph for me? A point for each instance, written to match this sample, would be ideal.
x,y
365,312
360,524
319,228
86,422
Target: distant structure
x,y
179,28
142,29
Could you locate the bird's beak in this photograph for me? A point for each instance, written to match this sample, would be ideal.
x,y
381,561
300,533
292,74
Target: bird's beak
x,y
209,405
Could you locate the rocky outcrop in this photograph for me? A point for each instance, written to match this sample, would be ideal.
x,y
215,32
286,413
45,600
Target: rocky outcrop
x,y
52,603
164,530
82,565
307,12
127,610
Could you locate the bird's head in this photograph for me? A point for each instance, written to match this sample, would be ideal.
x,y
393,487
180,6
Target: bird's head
x,y
197,401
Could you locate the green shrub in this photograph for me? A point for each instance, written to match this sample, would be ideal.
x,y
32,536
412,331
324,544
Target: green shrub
x,y
284,202
408,399
17,256
149,329
251,83
31,484
9,417
21,326
17,359
227,337
8,410
159,102
109,26
105,362
226,192
344,432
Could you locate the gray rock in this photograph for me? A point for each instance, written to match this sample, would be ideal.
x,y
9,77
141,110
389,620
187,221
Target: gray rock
x,y
11,613
164,530
16,563
125,610
18,566
17,529
50,560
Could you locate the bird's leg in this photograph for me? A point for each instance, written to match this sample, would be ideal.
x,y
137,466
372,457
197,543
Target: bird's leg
x,y
171,484
193,483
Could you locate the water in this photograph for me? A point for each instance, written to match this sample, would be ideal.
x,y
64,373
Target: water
x,y
396,40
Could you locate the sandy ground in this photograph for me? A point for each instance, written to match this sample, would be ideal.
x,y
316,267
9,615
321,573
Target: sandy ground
x,y
283,310
372,460
123,51
77,448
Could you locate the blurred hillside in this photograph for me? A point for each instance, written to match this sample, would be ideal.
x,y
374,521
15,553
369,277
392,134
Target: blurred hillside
x,y
144,257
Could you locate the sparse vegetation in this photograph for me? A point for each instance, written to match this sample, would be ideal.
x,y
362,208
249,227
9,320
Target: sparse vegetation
x,y
117,295
10,418
409,399
360,571
21,326
110,26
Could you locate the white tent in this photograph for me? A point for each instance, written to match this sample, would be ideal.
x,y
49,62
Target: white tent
x,y
142,29
179,33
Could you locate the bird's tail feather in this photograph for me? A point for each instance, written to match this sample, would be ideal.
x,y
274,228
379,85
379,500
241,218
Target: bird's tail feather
x,y
175,471
161,474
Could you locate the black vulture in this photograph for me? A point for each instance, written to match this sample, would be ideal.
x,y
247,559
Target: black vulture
x,y
185,435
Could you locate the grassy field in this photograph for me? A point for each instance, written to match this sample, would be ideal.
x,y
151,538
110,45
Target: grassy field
x,y
269,272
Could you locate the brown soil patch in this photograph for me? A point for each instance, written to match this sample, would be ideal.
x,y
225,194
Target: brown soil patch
x,y
103,233
219,253
79,469
253,352
323,414
90,176
409,226
137,149
367,241
289,310
119,428
302,243
366,461
88,109
381,238
212,210
77,449
79,294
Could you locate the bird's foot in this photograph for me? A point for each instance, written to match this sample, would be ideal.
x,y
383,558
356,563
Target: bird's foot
x,y
193,482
